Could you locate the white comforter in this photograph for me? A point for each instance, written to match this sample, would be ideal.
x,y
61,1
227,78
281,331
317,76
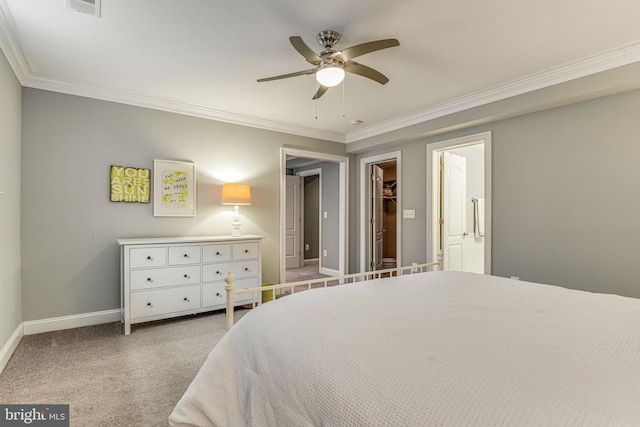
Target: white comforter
x,y
432,349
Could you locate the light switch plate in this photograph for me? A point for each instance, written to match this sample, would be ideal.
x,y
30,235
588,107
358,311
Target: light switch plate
x,y
409,213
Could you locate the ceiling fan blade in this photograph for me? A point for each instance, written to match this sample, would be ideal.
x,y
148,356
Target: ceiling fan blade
x,y
304,50
320,92
284,76
361,49
364,71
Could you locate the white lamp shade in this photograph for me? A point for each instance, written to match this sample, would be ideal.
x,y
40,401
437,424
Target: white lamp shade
x,y
330,76
236,194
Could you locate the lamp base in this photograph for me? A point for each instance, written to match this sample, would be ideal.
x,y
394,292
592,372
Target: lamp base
x,y
235,229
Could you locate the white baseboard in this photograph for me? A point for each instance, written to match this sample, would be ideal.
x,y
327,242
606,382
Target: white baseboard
x,y
68,322
329,272
10,346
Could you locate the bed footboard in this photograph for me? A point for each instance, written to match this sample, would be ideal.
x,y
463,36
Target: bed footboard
x,y
318,283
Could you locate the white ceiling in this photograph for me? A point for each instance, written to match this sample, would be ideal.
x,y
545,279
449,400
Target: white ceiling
x,y
203,57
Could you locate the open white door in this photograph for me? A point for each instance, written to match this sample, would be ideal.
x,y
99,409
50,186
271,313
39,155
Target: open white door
x,y
377,224
293,223
453,211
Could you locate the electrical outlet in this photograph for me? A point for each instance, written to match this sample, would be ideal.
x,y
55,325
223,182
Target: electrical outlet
x,y
413,269
515,277
325,214
306,246
324,252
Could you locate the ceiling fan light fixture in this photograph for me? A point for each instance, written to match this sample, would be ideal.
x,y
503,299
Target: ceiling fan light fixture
x,y
330,75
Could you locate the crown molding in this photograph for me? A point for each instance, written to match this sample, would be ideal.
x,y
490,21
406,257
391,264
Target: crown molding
x,y
139,99
10,44
606,61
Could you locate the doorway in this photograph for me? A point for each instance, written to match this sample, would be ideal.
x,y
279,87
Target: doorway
x,y
380,231
459,190
332,246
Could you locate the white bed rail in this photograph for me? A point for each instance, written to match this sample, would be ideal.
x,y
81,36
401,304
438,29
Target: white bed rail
x,y
320,283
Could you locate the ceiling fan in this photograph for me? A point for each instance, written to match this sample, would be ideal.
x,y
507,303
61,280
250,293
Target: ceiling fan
x,y
330,65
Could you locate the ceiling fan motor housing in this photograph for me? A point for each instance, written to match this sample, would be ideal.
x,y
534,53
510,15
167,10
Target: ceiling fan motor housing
x,y
328,38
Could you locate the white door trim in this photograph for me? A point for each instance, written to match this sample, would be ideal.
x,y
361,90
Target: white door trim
x,y
432,196
364,172
343,195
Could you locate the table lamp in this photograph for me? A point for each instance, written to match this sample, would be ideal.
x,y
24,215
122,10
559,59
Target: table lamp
x,y
236,194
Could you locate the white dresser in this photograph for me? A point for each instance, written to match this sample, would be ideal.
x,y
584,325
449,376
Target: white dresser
x,y
175,276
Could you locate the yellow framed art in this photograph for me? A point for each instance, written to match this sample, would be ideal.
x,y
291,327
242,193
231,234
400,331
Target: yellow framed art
x,y
174,188
128,184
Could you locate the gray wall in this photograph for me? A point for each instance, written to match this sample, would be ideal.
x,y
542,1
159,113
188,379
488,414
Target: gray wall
x,y
10,271
565,209
69,226
331,205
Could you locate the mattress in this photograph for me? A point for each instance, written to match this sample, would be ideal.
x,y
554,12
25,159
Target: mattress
x,y
435,349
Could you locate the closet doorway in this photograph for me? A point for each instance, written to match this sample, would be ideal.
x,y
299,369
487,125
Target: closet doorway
x,y
459,203
380,204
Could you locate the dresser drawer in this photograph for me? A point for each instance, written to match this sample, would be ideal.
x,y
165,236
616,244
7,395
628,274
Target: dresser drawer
x,y
214,294
245,250
158,277
179,255
215,253
215,272
244,269
164,301
240,269
147,257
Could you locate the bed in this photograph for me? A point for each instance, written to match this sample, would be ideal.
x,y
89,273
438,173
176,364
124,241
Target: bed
x,y
434,349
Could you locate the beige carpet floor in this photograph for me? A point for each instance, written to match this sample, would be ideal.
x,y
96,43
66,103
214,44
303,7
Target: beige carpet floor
x,y
308,272
110,379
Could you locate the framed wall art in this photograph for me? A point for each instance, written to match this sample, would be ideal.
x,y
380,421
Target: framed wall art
x,y
174,188
128,184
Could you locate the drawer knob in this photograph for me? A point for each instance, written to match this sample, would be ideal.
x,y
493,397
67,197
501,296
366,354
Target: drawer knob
x,y
186,299
218,253
186,255
186,276
150,258
218,272
149,279
246,269
217,294
149,304
246,251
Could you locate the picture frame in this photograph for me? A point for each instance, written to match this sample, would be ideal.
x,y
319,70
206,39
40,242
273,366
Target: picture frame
x,y
129,184
174,188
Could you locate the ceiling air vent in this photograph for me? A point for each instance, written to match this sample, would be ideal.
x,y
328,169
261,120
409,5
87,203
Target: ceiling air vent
x,y
92,7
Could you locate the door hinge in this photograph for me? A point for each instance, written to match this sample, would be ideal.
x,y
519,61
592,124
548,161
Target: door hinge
x,y
441,221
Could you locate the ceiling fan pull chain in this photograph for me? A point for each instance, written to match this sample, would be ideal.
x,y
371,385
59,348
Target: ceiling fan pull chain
x,y
344,114
316,99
